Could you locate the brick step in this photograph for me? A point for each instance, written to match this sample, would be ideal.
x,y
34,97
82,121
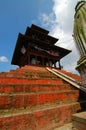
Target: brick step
x,y
31,68
40,118
29,75
20,100
16,88
30,81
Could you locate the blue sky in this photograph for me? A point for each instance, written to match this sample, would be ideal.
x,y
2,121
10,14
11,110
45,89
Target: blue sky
x,y
15,16
52,15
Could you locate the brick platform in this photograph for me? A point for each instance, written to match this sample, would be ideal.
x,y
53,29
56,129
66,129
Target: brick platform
x,y
32,98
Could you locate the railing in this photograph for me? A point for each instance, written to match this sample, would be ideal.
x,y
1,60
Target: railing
x,y
67,79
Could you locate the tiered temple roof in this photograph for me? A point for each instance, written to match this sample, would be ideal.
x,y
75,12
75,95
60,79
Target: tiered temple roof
x,y
37,41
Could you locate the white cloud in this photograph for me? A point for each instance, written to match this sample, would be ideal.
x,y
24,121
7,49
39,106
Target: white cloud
x,y
61,26
47,20
3,59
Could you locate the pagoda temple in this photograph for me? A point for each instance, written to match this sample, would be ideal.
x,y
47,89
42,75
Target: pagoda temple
x,y
36,47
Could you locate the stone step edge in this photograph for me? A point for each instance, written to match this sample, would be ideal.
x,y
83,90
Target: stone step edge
x,y
15,112
23,76
26,84
10,79
68,126
42,92
79,117
33,76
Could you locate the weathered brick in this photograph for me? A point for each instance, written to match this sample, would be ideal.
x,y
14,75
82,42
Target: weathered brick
x,y
39,98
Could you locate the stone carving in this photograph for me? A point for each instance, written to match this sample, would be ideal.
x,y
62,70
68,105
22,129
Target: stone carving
x,y
80,27
80,37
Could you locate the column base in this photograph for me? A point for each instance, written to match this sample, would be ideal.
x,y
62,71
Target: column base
x,y
81,67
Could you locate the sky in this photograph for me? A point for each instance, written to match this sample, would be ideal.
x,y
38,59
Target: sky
x,y
57,16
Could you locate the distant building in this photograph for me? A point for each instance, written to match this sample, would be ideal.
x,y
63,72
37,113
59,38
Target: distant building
x,y
80,37
36,47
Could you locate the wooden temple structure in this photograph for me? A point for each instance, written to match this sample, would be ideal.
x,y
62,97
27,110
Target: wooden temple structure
x,y
36,47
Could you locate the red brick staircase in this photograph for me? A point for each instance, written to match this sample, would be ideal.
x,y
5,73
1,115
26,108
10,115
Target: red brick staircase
x,y
32,98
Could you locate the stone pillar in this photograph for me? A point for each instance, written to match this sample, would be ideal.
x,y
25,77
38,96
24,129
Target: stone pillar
x,y
80,37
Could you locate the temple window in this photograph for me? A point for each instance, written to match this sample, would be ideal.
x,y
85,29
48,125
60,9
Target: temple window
x,y
23,50
32,59
39,60
46,63
51,63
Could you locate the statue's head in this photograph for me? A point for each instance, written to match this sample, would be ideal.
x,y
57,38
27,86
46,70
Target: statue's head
x,y
80,4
